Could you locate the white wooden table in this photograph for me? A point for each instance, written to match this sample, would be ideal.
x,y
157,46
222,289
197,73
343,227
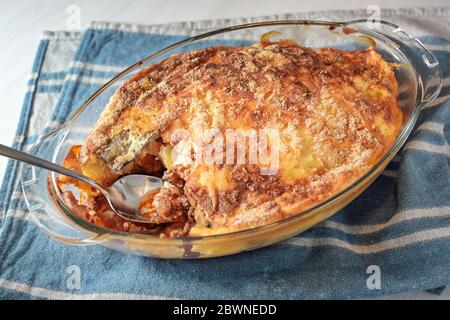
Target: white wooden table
x,y
22,22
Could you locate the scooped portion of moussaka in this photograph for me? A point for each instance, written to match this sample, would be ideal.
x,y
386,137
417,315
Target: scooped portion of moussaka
x,y
243,136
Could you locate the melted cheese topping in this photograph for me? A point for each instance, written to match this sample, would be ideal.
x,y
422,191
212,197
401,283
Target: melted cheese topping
x,y
335,113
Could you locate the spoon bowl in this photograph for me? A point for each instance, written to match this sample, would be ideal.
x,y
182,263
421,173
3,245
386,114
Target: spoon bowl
x,y
127,192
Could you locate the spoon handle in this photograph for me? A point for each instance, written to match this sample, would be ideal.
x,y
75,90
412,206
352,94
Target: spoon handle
x,y
30,159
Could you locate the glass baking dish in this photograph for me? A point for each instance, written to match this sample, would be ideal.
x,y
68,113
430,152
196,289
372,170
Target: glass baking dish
x,y
419,80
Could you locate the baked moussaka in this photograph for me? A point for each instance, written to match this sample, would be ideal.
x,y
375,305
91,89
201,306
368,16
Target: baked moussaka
x,y
242,136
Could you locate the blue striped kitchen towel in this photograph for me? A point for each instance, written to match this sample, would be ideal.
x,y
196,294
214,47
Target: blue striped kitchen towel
x,y
400,226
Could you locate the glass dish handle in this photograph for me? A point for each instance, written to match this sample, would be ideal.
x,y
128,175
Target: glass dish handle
x,y
426,65
38,198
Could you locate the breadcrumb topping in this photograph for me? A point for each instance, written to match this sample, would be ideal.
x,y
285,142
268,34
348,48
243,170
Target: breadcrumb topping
x,y
336,112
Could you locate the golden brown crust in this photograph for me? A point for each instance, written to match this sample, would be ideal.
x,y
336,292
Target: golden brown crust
x,y
336,113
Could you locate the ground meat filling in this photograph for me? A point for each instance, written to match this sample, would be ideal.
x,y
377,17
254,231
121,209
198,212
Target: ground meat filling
x,y
170,203
166,207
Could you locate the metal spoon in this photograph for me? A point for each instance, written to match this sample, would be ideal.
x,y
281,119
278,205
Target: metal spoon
x,y
123,196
